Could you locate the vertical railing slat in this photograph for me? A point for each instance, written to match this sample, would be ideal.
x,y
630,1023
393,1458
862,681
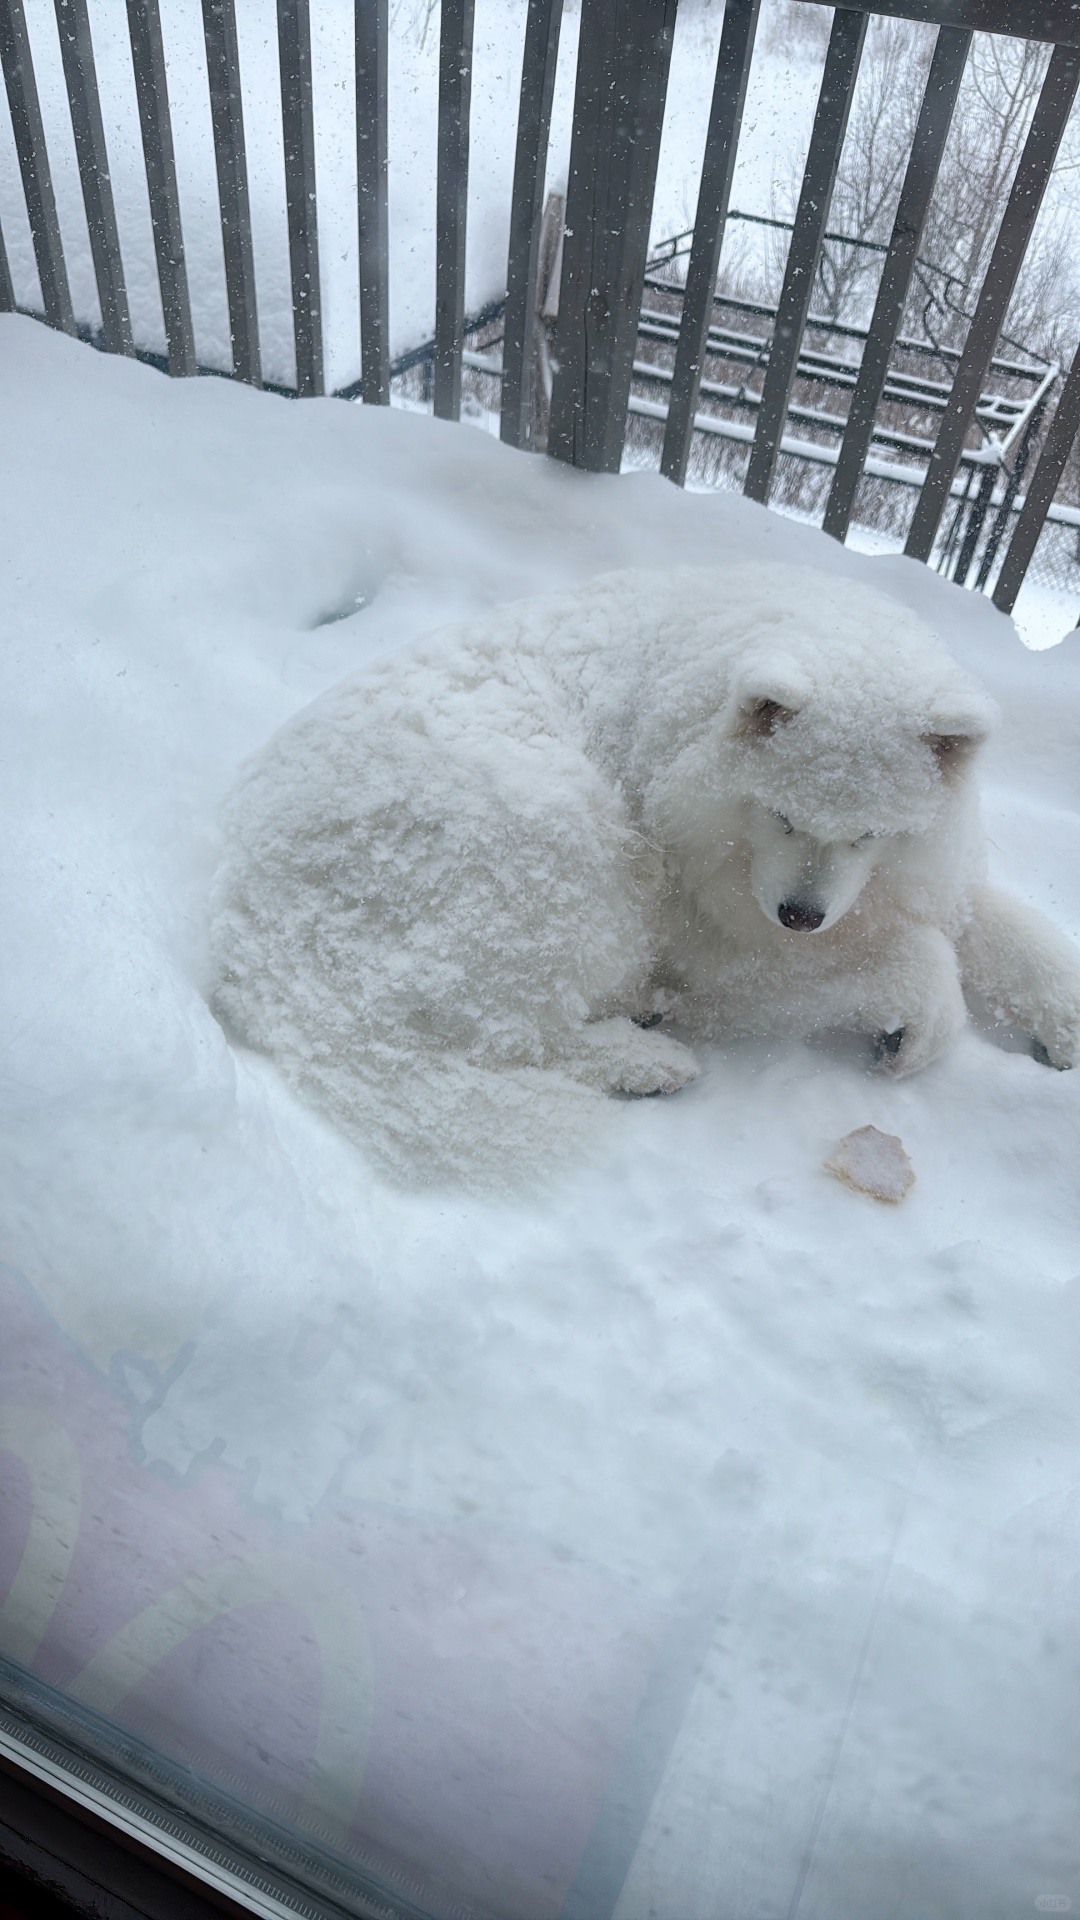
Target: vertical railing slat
x,y
1032,176
538,66
822,161
1013,480
298,123
928,146
1040,493
718,166
230,159
151,87
976,520
6,288
451,200
372,37
7,291
33,159
80,79
624,57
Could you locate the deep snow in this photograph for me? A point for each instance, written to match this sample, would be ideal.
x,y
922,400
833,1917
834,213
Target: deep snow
x,y
703,1359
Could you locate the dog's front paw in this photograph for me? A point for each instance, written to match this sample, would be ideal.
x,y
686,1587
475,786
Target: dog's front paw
x,y
907,1049
619,1056
887,1047
657,1065
1062,1057
904,1050
1054,1026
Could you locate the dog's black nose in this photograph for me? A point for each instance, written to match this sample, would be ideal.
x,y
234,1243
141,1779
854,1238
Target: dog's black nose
x,y
800,918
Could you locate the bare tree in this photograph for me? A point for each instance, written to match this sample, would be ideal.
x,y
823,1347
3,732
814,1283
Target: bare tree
x,y
994,112
416,17
794,30
873,163
997,99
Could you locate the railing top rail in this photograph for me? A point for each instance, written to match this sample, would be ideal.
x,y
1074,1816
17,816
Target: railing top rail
x,y
1056,21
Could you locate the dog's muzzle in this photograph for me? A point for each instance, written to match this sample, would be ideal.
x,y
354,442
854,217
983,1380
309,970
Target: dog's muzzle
x,y
799,917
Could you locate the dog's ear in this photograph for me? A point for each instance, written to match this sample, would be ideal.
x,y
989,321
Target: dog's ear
x,y
767,698
949,749
954,737
762,716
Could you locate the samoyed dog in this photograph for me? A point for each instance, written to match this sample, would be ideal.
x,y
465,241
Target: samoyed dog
x,y
467,893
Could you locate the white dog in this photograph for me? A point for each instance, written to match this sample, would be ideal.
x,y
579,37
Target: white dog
x,y
461,889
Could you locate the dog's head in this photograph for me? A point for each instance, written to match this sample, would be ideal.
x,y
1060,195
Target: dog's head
x,y
841,771
799,881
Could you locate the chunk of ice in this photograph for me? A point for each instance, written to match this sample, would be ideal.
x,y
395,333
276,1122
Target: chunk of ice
x,y
873,1163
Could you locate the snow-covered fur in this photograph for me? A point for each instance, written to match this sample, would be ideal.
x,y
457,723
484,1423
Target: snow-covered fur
x,y
460,888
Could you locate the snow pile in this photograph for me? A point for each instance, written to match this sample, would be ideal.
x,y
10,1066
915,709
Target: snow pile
x,y
701,1359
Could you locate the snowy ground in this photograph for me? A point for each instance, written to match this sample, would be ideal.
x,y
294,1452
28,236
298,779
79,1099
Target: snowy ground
x,y
818,1457
1043,616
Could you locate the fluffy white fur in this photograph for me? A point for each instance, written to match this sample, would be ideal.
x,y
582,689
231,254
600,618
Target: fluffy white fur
x,y
455,884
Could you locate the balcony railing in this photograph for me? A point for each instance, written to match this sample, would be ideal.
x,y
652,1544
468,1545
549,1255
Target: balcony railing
x,y
622,69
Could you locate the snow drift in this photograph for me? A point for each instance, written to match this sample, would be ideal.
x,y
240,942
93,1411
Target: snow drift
x,y
699,1374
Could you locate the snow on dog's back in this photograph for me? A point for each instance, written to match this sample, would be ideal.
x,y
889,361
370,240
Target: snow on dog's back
x,y
427,880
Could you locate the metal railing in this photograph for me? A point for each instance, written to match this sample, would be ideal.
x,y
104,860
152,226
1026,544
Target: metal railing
x,y
621,82
987,486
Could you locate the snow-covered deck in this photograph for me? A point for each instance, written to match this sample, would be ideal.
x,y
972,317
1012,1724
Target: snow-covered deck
x,y
704,1539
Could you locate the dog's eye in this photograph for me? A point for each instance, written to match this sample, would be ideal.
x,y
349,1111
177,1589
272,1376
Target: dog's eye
x,y
785,823
762,718
863,838
947,746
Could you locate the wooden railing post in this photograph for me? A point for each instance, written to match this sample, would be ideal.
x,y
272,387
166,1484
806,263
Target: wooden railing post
x,y
33,161
811,217
526,218
1010,249
928,146
298,126
227,118
451,201
152,91
1044,484
77,53
372,24
7,292
718,167
623,59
